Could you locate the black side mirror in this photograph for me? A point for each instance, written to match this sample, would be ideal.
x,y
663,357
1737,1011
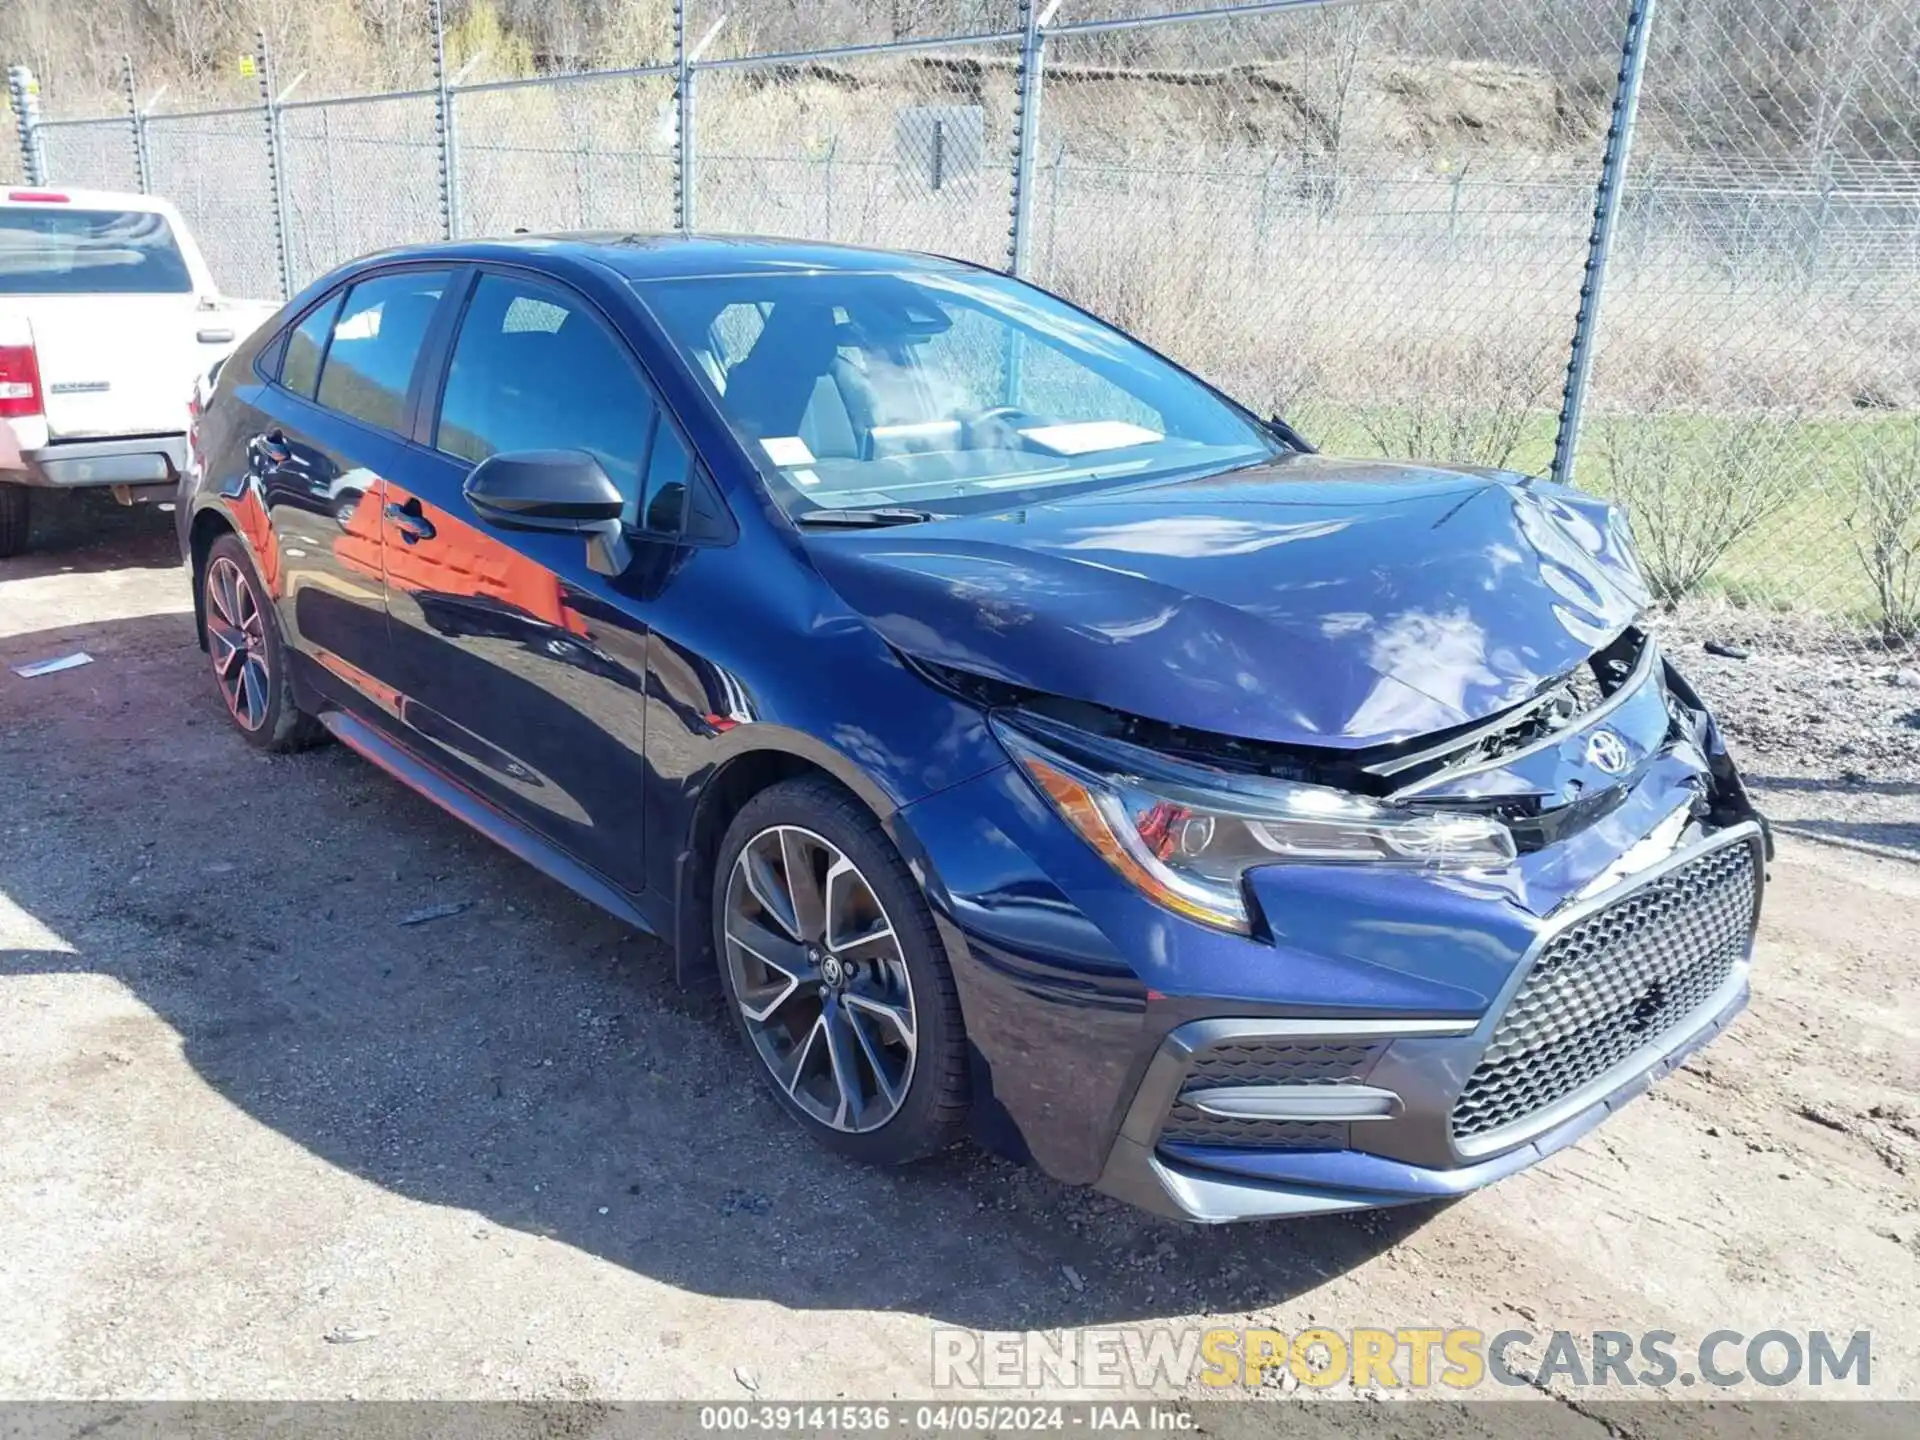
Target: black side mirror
x,y
555,490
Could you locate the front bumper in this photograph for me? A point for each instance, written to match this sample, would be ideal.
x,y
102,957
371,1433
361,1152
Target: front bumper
x,y
1416,1072
1089,1008
134,461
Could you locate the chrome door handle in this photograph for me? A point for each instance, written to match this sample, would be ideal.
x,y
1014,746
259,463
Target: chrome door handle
x,y
412,525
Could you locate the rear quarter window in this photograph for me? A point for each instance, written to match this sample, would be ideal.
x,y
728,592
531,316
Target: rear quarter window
x,y
306,345
52,250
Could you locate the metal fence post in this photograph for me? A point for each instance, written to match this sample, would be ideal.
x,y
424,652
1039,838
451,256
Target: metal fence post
x,y
443,129
23,91
276,166
1606,210
142,169
1026,131
683,151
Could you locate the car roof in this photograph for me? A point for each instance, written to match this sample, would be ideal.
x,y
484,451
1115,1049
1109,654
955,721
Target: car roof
x,y
25,197
672,255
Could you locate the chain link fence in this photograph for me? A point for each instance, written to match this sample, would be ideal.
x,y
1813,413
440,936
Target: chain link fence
x,y
214,166
361,175
587,152
907,146
1306,208
1756,398
101,150
1376,217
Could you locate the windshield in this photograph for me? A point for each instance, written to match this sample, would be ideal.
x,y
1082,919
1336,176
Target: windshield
x,y
48,251
948,390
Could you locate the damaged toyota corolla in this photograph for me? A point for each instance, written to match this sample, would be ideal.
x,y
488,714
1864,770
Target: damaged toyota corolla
x,y
1027,738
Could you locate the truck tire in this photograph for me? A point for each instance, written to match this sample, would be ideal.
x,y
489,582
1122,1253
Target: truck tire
x,y
13,519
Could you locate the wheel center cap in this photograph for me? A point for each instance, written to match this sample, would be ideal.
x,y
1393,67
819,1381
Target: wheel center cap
x,y
832,971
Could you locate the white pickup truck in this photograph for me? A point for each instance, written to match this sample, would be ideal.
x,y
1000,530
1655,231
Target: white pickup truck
x,y
108,317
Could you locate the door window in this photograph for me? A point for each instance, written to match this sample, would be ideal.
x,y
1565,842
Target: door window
x,y
533,370
376,340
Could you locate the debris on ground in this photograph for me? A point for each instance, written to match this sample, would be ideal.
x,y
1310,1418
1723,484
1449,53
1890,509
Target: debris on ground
x,y
33,668
436,912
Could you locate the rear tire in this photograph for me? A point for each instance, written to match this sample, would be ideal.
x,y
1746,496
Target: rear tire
x,y
250,668
15,518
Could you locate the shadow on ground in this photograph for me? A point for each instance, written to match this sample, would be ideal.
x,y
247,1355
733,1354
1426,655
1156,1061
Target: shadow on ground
x,y
529,1059
89,533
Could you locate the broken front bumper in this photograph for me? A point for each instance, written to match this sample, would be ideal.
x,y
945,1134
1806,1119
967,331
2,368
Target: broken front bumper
x,y
1240,1119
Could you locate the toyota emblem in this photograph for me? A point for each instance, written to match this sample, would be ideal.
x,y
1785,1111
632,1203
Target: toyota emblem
x,y
1607,753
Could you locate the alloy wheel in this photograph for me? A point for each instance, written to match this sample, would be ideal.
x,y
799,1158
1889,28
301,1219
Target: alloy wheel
x,y
237,642
820,979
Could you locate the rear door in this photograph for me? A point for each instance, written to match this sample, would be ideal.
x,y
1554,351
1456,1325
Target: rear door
x,y
116,316
327,437
522,669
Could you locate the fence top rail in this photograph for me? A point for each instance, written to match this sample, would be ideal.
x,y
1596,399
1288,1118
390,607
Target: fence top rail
x,y
72,123
1187,17
225,112
842,52
375,99
569,77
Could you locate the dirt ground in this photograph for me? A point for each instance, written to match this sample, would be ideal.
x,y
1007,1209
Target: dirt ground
x,y
259,1140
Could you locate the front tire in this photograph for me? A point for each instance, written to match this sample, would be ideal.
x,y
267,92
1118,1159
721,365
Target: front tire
x,y
836,975
249,656
15,518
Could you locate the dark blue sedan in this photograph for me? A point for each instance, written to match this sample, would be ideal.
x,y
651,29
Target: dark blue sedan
x,y
1026,738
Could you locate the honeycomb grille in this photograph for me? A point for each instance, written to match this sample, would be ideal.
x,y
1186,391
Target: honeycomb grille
x,y
1187,1126
1611,983
1266,1062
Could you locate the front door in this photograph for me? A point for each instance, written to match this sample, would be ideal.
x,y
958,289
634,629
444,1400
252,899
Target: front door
x,y
521,671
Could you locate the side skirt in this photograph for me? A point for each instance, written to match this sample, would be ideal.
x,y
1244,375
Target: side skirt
x,y
464,805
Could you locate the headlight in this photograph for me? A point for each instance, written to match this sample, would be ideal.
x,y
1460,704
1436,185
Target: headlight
x,y
1185,835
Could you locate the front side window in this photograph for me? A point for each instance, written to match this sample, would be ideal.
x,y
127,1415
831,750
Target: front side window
x,y
533,370
948,390
369,361
51,250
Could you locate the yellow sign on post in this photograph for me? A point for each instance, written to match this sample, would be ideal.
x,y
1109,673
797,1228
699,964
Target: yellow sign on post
x,y
247,66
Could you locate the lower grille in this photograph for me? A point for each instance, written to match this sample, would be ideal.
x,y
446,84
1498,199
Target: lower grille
x,y
1187,1126
1266,1062
1270,1062
1615,981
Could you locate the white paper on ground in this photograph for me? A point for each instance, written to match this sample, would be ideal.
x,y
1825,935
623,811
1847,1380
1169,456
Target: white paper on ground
x,y
1085,436
49,667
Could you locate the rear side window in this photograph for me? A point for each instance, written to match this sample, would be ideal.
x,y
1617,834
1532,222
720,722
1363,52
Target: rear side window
x,y
300,370
52,250
533,370
369,361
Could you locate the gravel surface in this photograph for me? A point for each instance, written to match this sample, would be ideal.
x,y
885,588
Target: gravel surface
x,y
1826,728
263,1140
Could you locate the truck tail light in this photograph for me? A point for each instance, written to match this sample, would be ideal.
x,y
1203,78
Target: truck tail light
x,y
19,382
42,197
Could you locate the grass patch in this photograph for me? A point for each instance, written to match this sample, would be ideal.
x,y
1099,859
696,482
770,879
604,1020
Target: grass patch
x,y
1803,478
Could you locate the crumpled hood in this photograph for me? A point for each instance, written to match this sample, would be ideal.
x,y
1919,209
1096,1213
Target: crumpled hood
x,y
1311,601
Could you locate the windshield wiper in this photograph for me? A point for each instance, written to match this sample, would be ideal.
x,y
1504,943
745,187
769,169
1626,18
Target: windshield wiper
x,y
865,519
